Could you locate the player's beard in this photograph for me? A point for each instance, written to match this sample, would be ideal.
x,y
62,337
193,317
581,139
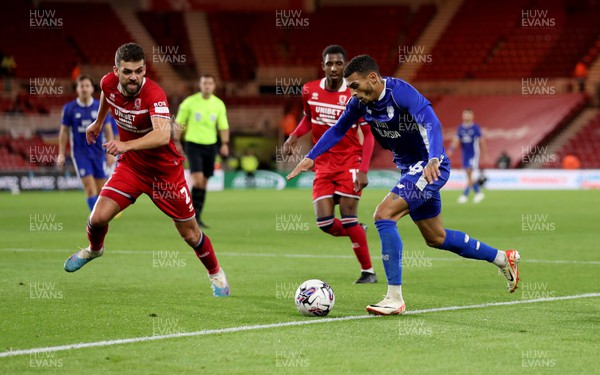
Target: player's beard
x,y
131,90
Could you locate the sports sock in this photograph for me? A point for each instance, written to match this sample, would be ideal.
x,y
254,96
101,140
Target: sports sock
x,y
370,270
476,188
96,236
359,241
91,201
331,225
466,192
205,252
460,243
391,250
198,198
395,293
500,259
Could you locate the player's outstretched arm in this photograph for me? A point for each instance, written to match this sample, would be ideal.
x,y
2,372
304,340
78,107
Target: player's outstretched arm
x,y
93,131
303,127
63,136
304,165
159,136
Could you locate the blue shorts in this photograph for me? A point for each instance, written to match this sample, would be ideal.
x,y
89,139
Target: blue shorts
x,y
470,161
423,199
86,166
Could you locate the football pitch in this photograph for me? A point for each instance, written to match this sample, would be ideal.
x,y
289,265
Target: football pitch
x,y
146,306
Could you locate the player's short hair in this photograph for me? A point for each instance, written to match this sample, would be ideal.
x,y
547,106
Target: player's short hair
x,y
209,76
334,49
362,64
129,52
83,77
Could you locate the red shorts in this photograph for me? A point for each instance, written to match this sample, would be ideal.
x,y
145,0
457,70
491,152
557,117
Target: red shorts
x,y
341,183
168,191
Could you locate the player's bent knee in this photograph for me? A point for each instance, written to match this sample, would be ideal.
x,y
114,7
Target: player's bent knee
x,y
381,215
190,236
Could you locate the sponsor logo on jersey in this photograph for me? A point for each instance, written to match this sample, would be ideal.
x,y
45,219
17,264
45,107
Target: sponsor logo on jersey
x,y
315,96
161,107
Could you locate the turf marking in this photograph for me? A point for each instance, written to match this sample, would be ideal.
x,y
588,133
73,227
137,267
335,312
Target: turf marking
x,y
14,353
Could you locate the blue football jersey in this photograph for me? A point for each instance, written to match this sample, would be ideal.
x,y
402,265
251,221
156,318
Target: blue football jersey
x,y
401,120
469,139
78,117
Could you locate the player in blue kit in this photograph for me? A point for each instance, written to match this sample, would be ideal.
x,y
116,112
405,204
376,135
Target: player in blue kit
x,y
472,145
89,160
403,121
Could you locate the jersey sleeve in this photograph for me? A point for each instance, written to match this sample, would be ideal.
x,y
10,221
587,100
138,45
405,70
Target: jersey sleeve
x,y
409,99
335,134
478,132
222,123
66,116
305,105
433,127
303,127
157,103
368,145
183,113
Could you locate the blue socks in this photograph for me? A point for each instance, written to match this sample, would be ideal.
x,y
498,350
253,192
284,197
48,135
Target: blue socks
x,y
460,243
476,188
91,201
391,250
466,192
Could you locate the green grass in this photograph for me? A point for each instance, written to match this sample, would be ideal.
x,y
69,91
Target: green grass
x,y
127,293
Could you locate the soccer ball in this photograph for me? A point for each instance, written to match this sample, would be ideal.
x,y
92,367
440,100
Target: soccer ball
x,y
314,298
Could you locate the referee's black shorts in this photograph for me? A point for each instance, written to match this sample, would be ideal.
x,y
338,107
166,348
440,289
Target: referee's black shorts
x,y
201,158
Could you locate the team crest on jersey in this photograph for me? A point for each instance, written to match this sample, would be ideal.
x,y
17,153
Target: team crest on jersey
x,y
343,99
137,104
78,115
315,96
390,111
112,96
94,114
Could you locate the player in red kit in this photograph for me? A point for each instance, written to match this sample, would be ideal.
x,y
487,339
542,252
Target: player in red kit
x,y
149,163
340,173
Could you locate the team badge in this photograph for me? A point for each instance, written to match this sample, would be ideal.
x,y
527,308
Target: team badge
x,y
390,111
343,99
138,103
112,96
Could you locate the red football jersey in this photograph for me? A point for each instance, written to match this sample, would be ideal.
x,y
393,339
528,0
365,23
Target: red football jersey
x,y
132,115
324,107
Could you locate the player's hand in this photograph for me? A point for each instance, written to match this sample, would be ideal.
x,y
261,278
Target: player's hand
x,y
304,165
92,132
431,172
60,162
115,147
224,150
361,181
290,145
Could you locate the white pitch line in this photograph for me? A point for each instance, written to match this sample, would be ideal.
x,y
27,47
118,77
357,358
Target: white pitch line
x,y
309,256
14,353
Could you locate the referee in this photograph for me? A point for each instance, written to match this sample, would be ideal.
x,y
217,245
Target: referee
x,y
200,117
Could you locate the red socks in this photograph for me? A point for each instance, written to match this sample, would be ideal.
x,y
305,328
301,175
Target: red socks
x,y
205,252
96,236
